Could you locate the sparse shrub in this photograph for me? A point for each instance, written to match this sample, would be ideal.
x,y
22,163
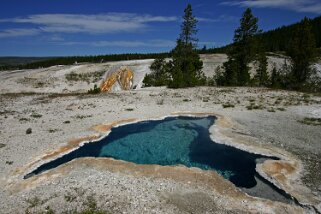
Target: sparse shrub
x,y
129,109
33,202
29,131
9,162
278,101
254,107
35,115
48,210
89,211
257,107
227,90
82,116
311,121
86,77
306,96
250,107
228,105
2,145
206,99
211,81
53,130
69,197
72,76
160,102
91,203
271,110
95,90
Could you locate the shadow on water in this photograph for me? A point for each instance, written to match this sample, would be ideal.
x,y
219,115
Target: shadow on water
x,y
173,141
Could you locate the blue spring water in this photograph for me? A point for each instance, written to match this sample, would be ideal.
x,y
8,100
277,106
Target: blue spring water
x,y
171,141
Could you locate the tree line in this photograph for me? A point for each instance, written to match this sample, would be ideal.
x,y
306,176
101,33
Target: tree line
x,y
81,59
278,39
249,46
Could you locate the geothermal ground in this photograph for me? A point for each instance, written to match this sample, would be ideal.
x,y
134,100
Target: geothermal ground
x,y
61,115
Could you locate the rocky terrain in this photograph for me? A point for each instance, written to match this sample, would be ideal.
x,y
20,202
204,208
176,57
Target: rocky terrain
x,y
47,112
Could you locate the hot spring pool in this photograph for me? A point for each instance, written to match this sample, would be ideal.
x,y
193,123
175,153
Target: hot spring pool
x,y
171,141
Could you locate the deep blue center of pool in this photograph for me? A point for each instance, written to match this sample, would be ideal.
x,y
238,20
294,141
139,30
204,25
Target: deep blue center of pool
x,y
171,141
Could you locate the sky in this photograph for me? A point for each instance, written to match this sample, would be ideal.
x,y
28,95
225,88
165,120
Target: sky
x,y
94,27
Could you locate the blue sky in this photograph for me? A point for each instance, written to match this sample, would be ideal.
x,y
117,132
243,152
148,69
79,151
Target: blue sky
x,y
92,27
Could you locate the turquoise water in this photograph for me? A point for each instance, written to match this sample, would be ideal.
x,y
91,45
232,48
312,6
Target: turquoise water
x,y
171,141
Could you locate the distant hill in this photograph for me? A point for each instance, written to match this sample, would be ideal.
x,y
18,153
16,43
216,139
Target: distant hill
x,y
10,63
277,40
14,61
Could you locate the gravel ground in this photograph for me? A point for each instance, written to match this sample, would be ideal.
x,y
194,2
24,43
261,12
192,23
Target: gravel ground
x,y
271,116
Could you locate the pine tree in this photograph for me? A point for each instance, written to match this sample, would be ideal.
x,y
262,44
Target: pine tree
x,y
185,56
230,73
302,51
185,68
159,76
178,78
243,50
274,78
188,27
261,76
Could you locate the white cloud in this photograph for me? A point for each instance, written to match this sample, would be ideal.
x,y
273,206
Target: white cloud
x,y
309,6
56,38
95,24
90,24
127,44
222,18
18,32
151,43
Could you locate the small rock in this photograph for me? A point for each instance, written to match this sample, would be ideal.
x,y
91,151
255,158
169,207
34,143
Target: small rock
x,y
29,131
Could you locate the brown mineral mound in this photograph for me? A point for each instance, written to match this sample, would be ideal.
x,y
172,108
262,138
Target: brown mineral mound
x,y
119,80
